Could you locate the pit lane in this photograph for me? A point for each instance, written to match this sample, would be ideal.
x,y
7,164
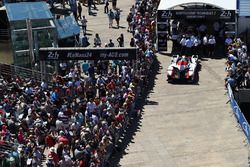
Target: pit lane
x,y
187,124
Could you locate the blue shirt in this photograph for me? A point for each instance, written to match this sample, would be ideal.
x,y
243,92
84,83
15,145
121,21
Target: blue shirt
x,y
189,43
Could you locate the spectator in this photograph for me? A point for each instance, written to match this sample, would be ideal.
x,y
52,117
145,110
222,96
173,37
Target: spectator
x,y
97,41
228,42
132,42
247,78
120,40
50,162
111,17
84,24
79,9
117,17
54,155
129,21
91,71
114,3
106,6
111,44
85,41
89,6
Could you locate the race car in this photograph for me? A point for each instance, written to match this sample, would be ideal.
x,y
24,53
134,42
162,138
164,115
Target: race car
x,y
183,68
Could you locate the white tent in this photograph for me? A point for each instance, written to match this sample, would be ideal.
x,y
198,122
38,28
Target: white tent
x,y
223,4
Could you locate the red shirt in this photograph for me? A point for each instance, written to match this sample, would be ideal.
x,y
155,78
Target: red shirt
x,y
20,138
49,140
118,118
111,85
82,163
55,157
64,140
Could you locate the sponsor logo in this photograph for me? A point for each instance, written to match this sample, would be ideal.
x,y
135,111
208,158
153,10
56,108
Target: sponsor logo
x,y
245,127
237,111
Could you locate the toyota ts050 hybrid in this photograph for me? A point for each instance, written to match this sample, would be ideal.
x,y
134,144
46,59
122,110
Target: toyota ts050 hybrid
x,y
183,68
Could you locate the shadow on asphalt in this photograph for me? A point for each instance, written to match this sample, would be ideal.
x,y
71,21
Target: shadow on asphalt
x,y
136,122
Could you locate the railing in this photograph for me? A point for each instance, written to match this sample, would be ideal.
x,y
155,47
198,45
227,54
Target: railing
x,y
4,35
11,71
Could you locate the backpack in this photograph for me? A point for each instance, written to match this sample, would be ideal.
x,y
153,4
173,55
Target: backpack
x,y
111,15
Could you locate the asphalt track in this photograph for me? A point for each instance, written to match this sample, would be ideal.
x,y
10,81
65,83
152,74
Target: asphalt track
x,y
187,124
182,125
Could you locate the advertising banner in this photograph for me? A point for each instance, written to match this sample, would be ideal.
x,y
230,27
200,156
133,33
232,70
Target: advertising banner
x,y
57,54
216,14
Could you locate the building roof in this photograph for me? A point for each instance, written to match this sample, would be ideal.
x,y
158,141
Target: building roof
x,y
28,10
223,4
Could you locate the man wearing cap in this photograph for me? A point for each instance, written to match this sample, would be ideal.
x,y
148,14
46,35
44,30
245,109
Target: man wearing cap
x,y
54,155
63,139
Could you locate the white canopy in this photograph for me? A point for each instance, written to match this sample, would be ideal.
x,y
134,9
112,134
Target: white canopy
x,y
223,4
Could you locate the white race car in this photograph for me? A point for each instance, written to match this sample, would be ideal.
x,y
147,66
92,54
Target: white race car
x,y
183,68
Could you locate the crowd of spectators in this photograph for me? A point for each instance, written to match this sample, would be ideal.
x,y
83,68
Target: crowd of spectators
x,y
238,64
77,119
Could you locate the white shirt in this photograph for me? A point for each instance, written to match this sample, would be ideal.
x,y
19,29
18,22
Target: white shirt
x,y
44,85
183,41
196,41
204,41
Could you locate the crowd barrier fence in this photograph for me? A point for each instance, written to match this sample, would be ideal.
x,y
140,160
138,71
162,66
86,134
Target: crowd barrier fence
x,y
238,114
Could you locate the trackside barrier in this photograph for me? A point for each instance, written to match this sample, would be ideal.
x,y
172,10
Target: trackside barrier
x,y
238,114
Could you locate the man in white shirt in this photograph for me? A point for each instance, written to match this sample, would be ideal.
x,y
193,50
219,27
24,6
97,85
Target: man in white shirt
x,y
211,45
205,45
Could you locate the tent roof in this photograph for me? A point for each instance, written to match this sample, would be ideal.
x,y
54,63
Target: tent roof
x,y
28,10
67,27
223,4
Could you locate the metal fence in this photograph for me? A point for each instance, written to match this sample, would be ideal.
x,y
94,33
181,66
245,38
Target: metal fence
x,y
4,35
11,71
